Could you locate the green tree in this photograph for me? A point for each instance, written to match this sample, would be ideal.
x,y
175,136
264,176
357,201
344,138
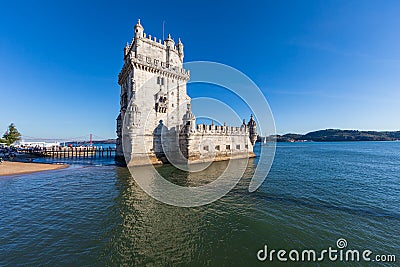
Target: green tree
x,y
11,134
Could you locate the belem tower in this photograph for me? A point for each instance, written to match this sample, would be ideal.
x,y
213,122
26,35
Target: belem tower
x,y
155,124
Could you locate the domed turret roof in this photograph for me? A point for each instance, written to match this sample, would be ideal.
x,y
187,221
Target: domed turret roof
x,y
252,122
138,25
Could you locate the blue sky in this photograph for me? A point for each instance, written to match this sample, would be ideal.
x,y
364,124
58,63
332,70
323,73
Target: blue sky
x,y
320,64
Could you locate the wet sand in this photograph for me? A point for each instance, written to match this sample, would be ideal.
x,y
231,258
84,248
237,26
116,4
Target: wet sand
x,y
14,168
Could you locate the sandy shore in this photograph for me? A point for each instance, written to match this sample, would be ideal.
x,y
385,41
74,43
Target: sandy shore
x,y
13,168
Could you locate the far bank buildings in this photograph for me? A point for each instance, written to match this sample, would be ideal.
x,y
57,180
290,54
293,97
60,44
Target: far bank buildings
x,y
156,123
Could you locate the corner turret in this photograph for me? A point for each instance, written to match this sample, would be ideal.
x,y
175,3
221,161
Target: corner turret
x,y
189,120
252,130
169,42
179,47
139,30
126,49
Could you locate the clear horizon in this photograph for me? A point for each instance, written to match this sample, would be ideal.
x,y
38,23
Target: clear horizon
x,y
321,64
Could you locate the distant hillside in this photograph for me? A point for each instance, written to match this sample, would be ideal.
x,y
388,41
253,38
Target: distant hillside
x,y
335,135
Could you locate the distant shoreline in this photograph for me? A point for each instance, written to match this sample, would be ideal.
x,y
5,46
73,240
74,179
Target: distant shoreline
x,y
342,141
11,168
336,135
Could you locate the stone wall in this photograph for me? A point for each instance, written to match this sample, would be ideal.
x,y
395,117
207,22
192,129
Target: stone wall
x,y
215,143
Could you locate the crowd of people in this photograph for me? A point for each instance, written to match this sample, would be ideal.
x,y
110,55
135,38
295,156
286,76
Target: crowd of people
x,y
7,153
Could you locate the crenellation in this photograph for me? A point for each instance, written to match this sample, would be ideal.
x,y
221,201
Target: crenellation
x,y
216,129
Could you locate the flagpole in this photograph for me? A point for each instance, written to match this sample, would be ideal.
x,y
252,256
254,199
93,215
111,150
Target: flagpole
x,y
163,30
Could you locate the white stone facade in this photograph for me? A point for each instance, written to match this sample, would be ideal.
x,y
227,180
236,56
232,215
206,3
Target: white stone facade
x,y
156,110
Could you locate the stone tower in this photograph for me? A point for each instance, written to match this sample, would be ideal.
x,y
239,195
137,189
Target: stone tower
x,y
156,124
154,81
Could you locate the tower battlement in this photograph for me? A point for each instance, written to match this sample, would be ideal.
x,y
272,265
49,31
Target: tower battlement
x,y
161,56
153,41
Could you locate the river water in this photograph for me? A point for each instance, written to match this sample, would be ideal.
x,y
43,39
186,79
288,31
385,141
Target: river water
x,y
93,213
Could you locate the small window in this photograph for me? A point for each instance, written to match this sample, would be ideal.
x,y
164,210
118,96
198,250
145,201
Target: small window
x,y
217,148
238,147
205,148
228,147
246,146
172,105
160,80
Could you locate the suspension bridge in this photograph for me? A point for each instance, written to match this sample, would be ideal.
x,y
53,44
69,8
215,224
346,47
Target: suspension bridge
x,y
85,139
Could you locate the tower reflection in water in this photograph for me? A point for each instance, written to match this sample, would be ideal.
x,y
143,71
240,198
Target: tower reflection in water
x,y
151,232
